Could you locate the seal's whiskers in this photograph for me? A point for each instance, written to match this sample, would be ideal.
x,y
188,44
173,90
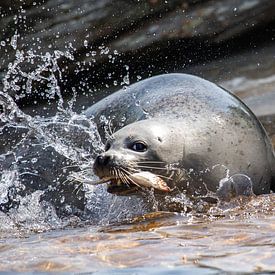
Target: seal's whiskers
x,y
152,167
123,178
151,161
130,170
133,181
116,173
112,171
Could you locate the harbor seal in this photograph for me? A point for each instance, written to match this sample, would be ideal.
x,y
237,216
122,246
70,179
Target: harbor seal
x,y
195,136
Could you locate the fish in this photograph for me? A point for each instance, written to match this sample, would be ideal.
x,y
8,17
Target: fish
x,y
141,179
147,179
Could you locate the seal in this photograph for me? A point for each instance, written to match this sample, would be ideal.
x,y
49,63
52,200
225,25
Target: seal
x,y
195,136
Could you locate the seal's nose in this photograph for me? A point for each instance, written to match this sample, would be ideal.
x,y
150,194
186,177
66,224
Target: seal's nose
x,y
102,160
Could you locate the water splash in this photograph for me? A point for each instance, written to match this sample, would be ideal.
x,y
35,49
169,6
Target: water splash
x,y
44,71
26,140
39,146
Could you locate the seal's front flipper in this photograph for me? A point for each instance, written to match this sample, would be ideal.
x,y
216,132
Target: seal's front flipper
x,y
236,185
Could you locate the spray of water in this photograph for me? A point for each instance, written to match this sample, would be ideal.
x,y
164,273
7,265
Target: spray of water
x,y
33,147
19,131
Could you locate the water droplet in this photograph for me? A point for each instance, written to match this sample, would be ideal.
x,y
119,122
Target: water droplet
x,y
33,160
126,79
14,41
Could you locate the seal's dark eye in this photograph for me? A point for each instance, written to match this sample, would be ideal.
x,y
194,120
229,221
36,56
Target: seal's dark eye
x,y
139,146
107,146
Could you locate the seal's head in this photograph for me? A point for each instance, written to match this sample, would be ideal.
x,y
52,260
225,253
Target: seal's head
x,y
147,145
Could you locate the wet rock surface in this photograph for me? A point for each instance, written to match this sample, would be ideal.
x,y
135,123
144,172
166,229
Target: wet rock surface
x,y
152,36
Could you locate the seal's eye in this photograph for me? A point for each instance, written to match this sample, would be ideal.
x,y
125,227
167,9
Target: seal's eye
x,y
107,146
139,146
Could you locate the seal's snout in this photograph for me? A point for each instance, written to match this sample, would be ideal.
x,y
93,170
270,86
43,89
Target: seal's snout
x,y
102,165
102,160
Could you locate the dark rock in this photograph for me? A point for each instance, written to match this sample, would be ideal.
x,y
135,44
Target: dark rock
x,y
148,33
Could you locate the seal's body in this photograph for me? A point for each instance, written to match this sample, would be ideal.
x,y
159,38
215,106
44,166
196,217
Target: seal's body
x,y
188,130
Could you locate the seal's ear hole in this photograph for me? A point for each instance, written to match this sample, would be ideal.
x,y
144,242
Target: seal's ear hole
x,y
159,139
107,146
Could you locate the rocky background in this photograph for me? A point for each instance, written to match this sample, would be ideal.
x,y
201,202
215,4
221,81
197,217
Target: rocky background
x,y
114,43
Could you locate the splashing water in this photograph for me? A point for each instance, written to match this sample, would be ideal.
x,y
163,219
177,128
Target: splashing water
x,y
46,72
34,147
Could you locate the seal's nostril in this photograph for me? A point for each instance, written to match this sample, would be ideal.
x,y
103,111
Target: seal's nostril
x,y
102,160
99,160
106,160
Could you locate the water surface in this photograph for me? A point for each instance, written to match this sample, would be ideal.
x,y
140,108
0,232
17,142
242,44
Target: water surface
x,y
238,237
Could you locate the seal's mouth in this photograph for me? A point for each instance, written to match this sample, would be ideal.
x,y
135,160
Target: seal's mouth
x,y
116,186
132,183
127,177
